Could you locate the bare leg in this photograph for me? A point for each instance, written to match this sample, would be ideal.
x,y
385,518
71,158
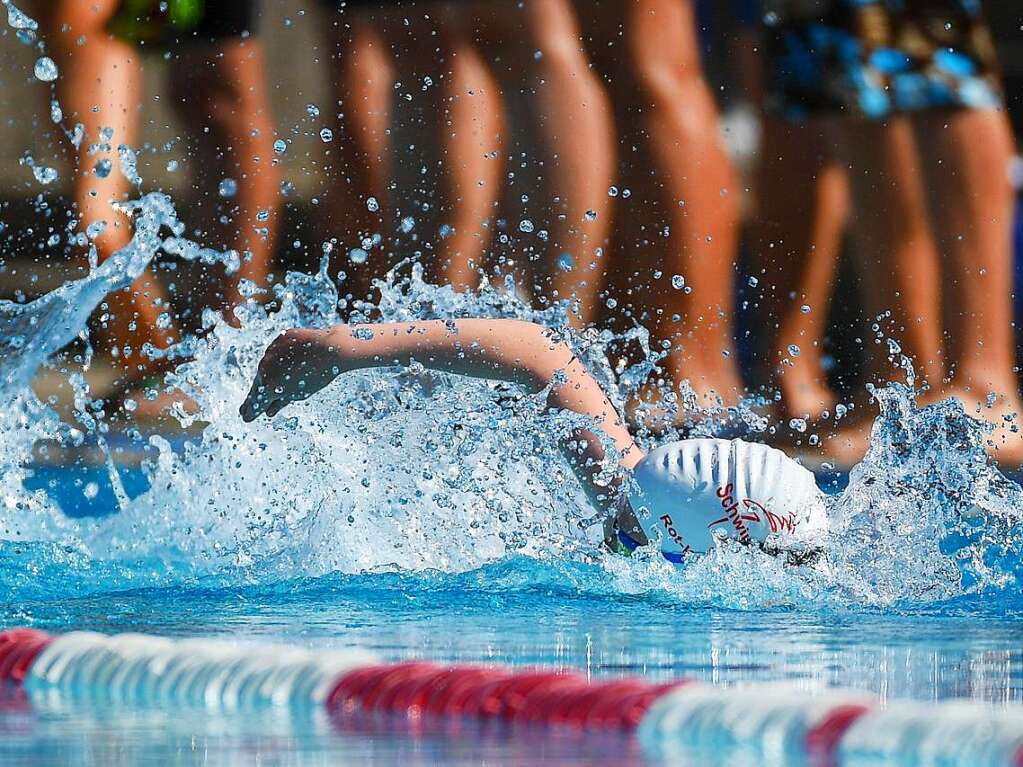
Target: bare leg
x,y
577,130
225,89
364,90
966,155
472,141
895,244
897,259
803,208
101,88
682,122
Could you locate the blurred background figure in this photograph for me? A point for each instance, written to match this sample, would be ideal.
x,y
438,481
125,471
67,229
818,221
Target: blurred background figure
x,y
928,147
220,92
492,56
677,273
799,228
575,151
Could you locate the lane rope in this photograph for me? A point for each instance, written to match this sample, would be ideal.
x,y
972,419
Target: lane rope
x,y
771,721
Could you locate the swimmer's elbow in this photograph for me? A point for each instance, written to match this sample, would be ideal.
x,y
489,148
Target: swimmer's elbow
x,y
548,355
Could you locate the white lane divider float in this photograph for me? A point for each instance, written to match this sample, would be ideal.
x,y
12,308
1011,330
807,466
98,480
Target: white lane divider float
x,y
772,724
134,669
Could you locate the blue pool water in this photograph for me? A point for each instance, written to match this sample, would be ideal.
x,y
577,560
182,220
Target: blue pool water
x,y
434,518
516,610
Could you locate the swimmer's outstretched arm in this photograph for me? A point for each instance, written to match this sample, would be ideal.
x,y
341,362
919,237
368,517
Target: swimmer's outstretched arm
x,y
301,362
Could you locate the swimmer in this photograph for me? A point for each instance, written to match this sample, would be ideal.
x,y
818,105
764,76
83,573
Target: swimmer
x,y
685,495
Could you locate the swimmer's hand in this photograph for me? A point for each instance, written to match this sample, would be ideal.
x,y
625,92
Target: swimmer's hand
x,y
295,366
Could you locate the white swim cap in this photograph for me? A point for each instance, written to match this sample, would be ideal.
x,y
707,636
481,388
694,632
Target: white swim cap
x,y
694,490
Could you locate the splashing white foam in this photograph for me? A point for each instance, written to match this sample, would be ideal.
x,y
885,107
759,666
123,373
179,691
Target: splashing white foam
x,y
403,471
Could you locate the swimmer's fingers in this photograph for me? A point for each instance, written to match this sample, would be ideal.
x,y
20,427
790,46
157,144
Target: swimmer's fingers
x,y
259,398
255,401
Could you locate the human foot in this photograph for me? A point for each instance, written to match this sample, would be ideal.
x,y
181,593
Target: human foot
x,y
805,392
1003,411
846,446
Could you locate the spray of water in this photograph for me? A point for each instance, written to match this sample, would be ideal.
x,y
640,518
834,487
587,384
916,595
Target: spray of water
x,y
399,471
404,471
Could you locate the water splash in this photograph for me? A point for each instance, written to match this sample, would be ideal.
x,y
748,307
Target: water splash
x,y
390,471
926,516
30,334
433,473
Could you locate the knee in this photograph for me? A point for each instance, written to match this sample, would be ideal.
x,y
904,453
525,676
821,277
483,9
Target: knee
x,y
669,77
680,96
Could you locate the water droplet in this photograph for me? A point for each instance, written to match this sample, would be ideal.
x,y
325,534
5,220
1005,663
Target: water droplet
x,y
590,215
372,205
678,282
228,188
172,166
91,490
326,135
526,225
287,188
793,350
612,191
46,70
407,224
45,175
103,168
753,282
805,309
565,262
56,113
280,146
129,163
798,424
312,110
537,55
17,19
357,256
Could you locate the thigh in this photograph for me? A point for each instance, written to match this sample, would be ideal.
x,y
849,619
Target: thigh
x,y
664,32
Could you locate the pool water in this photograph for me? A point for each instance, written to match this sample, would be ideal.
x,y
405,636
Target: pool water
x,y
517,612
433,518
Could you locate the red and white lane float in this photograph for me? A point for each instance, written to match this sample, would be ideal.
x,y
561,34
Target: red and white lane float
x,y
771,722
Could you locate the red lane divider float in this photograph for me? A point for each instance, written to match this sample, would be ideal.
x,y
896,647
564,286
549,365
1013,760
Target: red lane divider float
x,y
771,722
18,650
